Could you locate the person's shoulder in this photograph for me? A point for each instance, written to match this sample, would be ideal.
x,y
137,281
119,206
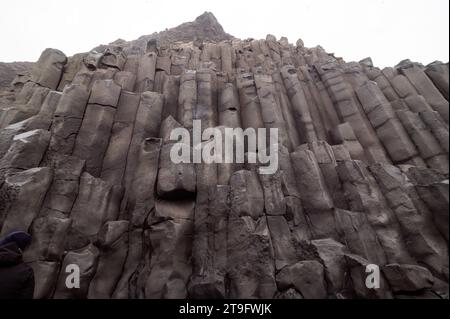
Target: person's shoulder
x,y
25,269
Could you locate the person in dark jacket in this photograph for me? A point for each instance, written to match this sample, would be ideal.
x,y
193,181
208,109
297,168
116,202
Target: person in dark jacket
x,y
16,278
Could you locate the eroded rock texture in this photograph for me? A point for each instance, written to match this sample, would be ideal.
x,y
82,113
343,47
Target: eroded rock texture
x,y
362,179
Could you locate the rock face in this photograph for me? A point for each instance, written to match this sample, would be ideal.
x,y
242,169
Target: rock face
x,y
361,178
9,71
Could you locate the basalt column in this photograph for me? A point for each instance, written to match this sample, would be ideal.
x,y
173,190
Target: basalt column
x,y
360,170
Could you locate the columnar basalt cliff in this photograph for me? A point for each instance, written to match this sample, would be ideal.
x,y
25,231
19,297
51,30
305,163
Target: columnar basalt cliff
x,y
85,167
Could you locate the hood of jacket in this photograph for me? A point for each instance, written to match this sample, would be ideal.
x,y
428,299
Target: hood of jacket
x,y
10,255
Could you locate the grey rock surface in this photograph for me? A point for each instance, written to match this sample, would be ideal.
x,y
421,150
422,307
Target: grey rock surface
x,y
361,179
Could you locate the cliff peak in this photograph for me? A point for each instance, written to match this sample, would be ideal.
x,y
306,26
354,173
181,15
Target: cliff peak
x,y
204,27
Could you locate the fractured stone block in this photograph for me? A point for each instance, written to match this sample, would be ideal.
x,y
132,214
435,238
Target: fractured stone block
x,y
22,195
48,69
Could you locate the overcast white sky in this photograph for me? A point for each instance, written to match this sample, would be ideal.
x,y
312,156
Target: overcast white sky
x,y
386,30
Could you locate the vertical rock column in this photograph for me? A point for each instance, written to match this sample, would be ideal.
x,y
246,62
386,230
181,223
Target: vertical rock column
x,y
140,203
170,90
344,135
344,100
73,65
276,213
113,248
86,259
421,237
64,188
25,152
229,118
438,127
270,110
388,128
326,102
229,107
67,121
141,200
300,106
206,108
364,196
131,64
251,116
226,58
250,265
432,187
209,249
145,76
273,48
319,118
212,53
24,195
42,120
295,214
21,197
314,194
359,236
174,179
19,112
170,233
115,160
375,74
403,88
210,232
187,99
146,125
438,73
168,265
48,70
287,110
327,162
93,137
425,87
126,80
96,204
429,149
50,228
45,252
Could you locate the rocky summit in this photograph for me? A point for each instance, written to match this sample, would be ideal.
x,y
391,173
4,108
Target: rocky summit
x,y
362,179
